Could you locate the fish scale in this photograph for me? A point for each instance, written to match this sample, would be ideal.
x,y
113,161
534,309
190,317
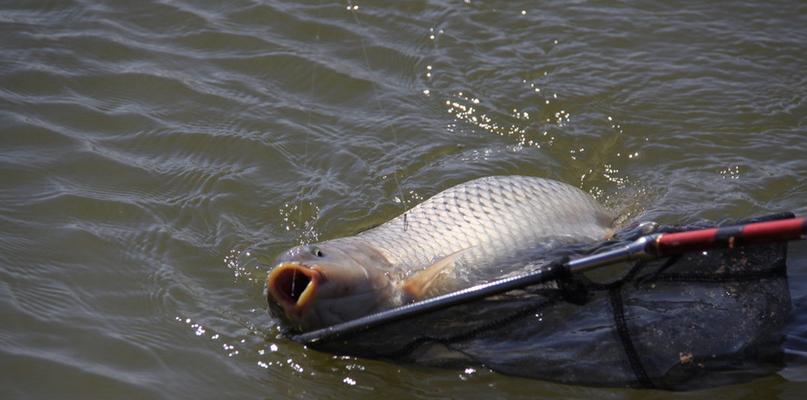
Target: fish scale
x,y
490,218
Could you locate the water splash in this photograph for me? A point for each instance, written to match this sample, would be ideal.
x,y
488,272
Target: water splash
x,y
300,219
244,265
730,172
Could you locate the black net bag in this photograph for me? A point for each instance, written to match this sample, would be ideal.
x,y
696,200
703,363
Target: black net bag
x,y
685,322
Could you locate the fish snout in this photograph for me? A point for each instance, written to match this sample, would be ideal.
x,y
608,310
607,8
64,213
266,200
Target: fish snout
x,y
292,286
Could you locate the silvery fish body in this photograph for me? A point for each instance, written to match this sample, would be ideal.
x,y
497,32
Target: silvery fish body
x,y
446,242
492,218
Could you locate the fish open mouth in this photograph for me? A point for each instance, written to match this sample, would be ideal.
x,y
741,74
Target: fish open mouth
x,y
292,285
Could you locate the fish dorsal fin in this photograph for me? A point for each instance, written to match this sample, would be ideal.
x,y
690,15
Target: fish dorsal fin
x,y
421,284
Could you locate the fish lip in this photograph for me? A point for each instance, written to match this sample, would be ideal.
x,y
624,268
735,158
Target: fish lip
x,y
290,305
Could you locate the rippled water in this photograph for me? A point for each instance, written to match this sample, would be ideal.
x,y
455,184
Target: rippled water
x,y
154,154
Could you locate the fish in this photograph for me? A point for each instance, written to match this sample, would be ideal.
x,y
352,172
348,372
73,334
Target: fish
x,y
440,245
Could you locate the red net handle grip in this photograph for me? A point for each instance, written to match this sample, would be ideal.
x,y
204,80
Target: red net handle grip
x,y
731,236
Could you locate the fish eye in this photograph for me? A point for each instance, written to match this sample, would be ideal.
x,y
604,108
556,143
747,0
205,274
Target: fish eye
x,y
317,252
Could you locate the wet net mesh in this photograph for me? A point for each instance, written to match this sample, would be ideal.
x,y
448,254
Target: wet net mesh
x,y
684,322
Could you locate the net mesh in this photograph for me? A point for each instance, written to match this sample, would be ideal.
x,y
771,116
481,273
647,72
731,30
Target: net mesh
x,y
686,322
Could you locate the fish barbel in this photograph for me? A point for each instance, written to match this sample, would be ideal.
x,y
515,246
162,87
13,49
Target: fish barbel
x,y
435,247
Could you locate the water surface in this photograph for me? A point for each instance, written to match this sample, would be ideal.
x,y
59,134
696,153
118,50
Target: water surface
x,y
154,154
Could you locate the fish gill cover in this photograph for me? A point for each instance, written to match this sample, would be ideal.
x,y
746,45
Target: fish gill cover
x,y
692,321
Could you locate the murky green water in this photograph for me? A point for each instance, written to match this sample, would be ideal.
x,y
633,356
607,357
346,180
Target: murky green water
x,y
153,154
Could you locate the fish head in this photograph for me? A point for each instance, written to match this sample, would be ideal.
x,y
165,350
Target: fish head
x,y
317,285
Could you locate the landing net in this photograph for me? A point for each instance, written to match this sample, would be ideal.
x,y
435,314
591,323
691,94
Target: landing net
x,y
684,322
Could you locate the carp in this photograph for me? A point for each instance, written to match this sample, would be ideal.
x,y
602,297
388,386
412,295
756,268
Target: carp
x,y
438,246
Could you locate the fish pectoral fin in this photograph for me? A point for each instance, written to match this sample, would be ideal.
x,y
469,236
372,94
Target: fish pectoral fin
x,y
424,283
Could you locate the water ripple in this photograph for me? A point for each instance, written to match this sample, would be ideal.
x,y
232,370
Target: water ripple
x,y
155,155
